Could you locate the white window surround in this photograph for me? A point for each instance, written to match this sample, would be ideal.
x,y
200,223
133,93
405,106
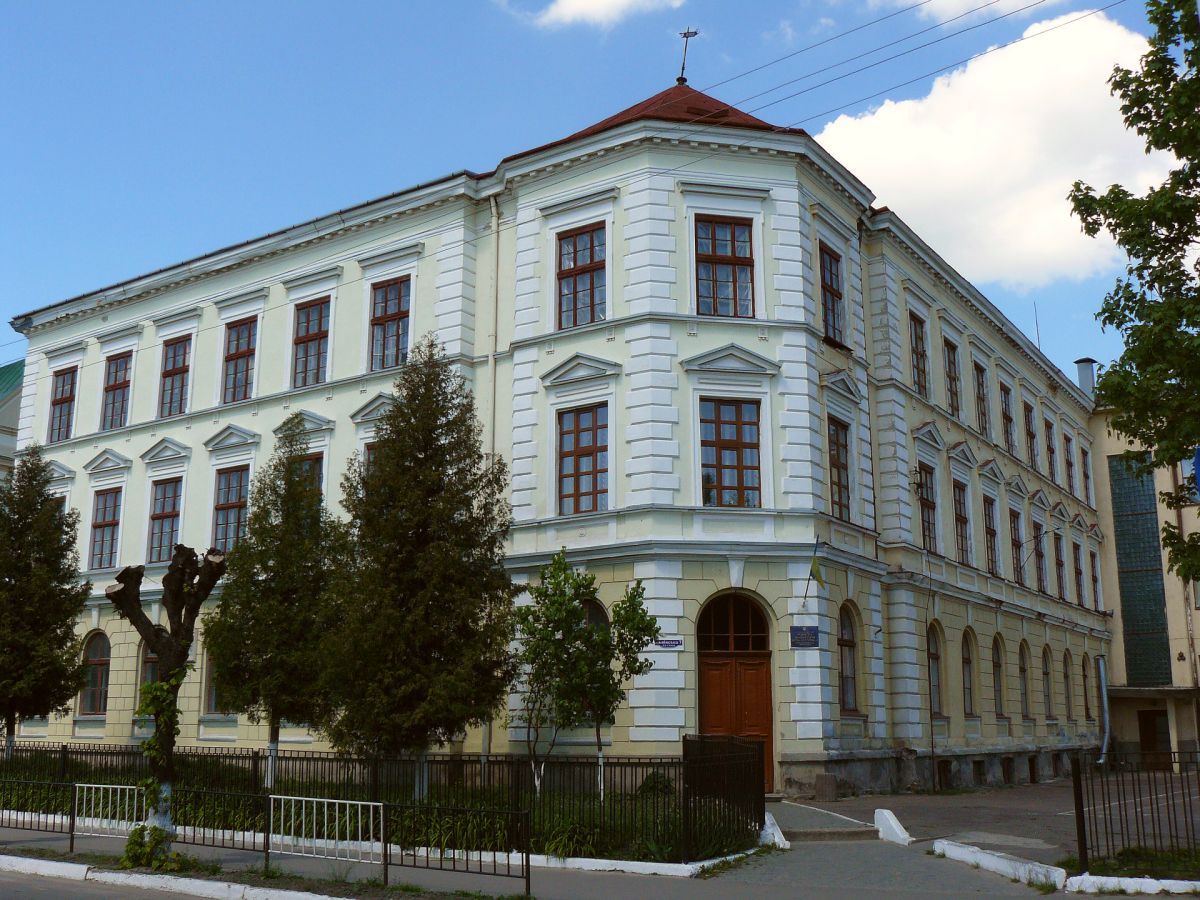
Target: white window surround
x,y
122,522
395,260
166,459
318,433
721,200
365,417
842,400
108,469
114,343
241,305
597,207
300,289
164,474
242,310
65,355
61,479
230,447
120,340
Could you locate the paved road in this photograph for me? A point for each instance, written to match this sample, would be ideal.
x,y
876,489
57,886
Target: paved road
x,y
13,887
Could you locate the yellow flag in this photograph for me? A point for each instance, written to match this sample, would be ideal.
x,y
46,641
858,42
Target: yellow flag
x,y
814,572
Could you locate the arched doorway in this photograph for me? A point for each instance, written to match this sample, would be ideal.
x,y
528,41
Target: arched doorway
x,y
734,673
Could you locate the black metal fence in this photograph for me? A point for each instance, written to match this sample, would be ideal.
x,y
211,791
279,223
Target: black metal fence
x,y
1135,801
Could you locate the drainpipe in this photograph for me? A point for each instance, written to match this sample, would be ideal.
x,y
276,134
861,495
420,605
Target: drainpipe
x,y
1102,672
1187,605
494,337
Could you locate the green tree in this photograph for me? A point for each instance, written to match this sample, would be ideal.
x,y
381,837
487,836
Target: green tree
x,y
263,637
574,670
1153,388
41,597
425,601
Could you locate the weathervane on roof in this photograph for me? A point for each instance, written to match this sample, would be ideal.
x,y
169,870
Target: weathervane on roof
x,y
687,36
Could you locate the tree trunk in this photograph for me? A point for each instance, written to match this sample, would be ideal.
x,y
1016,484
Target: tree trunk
x,y
162,767
272,754
10,735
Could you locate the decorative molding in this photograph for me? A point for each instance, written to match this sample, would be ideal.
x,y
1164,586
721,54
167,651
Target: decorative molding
x,y
1078,522
60,474
231,436
1016,486
373,408
609,194
167,450
990,470
313,422
242,304
1039,500
842,382
832,221
393,254
731,360
107,461
313,283
928,433
1058,511
723,190
962,452
580,367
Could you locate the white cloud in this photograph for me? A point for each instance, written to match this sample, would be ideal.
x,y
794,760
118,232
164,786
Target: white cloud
x,y
941,10
784,33
602,13
822,24
981,166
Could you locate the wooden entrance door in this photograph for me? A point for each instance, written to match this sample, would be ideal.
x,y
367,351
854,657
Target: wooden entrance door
x,y
1154,738
735,674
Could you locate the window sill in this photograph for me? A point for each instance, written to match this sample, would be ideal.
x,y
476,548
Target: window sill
x,y
91,719
837,345
218,719
853,714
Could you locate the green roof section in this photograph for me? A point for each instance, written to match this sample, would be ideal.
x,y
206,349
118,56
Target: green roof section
x,y
11,377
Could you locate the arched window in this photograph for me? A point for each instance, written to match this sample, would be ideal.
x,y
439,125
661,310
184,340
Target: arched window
x,y
149,666
1067,705
1026,712
93,699
1047,687
933,651
998,676
1099,689
848,656
732,623
1087,697
595,613
968,676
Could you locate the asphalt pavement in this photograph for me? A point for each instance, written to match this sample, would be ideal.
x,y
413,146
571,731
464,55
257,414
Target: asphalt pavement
x,y
16,887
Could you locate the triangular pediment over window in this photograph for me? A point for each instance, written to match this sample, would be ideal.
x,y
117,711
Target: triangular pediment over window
x,y
107,461
1079,523
991,470
580,367
843,383
1039,499
312,422
373,408
963,453
731,360
59,472
231,436
1058,511
167,449
1095,532
928,433
1016,486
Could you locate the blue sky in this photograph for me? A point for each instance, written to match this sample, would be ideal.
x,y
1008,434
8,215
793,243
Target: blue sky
x,y
140,134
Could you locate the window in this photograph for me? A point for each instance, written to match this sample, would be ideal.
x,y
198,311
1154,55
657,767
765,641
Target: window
x,y
310,353
1187,477
1024,678
968,676
998,677
982,417
1067,698
240,341
839,469
1069,462
933,652
370,449
729,453
581,278
594,614
724,267
62,404
312,470
1015,545
93,699
953,388
1077,559
962,537
583,460
1051,450
1095,568
920,360
832,305
1006,418
164,519
1039,556
1060,567
115,409
847,654
212,701
1085,470
928,502
229,510
991,539
149,666
390,302
1047,687
1087,697
172,396
1031,447
106,523
732,623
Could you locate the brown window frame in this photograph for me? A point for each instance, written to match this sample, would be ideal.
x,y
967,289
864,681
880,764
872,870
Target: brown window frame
x,y
1077,559
1047,683
1016,545
93,696
167,381
1060,566
738,445
1085,473
991,536
1031,436
919,352
716,259
998,678
307,462
106,532
927,501
933,665
597,309
114,407
64,385
1039,558
983,417
1094,566
847,662
1023,674
164,521
1008,423
231,390
1051,450
1068,699
953,381
578,461
1087,697
1069,462
968,678
962,523
838,433
381,360
311,343
833,304
240,505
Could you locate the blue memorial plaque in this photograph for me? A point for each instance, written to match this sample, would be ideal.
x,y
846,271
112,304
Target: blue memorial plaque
x,y
805,637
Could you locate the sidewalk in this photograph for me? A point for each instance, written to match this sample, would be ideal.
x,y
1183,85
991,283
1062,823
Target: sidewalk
x,y
824,871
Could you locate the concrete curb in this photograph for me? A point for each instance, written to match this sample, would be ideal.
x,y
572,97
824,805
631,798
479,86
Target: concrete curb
x,y
1108,884
890,829
25,865
1024,870
772,835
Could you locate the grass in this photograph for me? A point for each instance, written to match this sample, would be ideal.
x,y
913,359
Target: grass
x,y
1143,862
728,865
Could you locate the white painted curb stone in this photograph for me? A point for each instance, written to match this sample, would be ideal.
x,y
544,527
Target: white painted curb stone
x,y
890,829
1095,884
195,887
1025,870
27,866
772,835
